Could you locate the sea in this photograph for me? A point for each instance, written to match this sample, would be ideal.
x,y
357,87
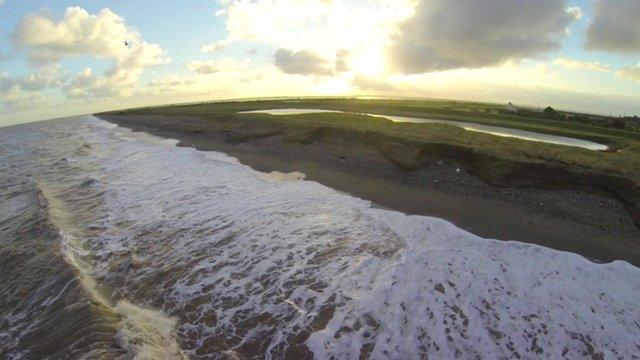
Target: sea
x,y
121,245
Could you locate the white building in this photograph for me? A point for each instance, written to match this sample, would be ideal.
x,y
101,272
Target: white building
x,y
512,109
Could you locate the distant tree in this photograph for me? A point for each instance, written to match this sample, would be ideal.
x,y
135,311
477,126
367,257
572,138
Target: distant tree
x,y
618,124
550,113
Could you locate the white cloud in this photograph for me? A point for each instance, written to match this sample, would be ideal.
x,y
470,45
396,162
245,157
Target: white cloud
x,y
215,46
170,85
446,34
86,85
27,92
13,98
630,72
615,26
171,81
83,79
214,66
575,11
572,64
43,77
77,33
323,27
139,56
267,20
101,35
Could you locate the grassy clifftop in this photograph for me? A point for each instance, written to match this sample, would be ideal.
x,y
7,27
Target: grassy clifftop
x,y
624,160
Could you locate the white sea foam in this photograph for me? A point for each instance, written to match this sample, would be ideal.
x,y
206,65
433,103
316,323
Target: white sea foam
x,y
147,334
247,264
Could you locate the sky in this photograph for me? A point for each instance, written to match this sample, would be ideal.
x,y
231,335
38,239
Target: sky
x,y
61,58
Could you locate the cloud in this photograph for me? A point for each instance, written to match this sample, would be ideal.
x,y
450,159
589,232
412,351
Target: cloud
x,y
171,84
630,72
79,33
43,77
324,25
371,84
443,35
172,81
215,46
86,85
615,26
267,20
6,82
214,66
572,64
575,11
16,99
26,92
138,57
13,97
120,80
303,62
343,58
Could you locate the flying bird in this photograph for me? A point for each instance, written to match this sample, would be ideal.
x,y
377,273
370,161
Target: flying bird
x,y
126,43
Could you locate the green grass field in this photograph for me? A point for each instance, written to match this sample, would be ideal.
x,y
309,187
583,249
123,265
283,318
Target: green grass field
x,y
623,161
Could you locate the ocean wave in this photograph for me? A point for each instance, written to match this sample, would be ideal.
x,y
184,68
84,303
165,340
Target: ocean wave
x,y
236,263
44,311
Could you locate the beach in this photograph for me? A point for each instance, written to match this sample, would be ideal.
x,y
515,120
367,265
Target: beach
x,y
121,244
556,214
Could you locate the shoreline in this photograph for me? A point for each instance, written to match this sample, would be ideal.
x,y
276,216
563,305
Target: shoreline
x,y
565,218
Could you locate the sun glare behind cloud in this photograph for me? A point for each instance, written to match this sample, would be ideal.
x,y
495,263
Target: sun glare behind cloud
x,y
359,47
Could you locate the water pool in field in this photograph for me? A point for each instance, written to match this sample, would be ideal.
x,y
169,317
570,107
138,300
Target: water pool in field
x,y
470,126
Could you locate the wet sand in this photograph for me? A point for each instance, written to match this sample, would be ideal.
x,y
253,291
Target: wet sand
x,y
595,226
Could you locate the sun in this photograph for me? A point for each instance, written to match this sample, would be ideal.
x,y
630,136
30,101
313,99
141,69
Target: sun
x,y
369,61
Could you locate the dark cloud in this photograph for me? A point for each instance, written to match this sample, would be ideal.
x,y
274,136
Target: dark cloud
x,y
615,26
304,62
444,34
342,60
6,82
